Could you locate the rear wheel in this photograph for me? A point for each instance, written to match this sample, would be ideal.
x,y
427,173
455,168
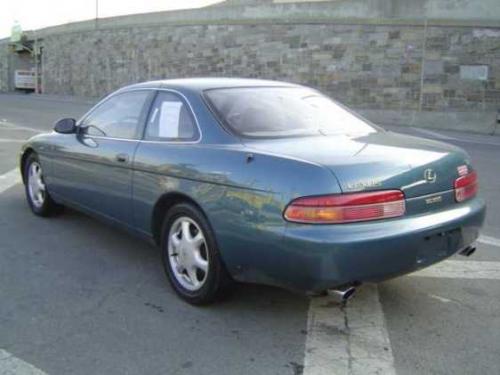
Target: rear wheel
x,y
191,258
37,195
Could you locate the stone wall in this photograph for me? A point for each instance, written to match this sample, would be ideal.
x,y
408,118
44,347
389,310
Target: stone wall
x,y
4,67
368,66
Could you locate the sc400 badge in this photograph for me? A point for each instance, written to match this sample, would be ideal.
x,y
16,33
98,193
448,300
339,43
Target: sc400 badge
x,y
361,185
433,200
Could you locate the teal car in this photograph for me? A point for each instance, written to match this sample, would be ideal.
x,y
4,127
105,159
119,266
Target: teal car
x,y
257,181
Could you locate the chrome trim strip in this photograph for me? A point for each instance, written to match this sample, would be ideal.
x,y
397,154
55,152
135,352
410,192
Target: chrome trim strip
x,y
430,195
110,138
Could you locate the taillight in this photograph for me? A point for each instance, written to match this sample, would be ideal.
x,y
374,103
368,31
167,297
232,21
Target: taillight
x,y
466,187
346,208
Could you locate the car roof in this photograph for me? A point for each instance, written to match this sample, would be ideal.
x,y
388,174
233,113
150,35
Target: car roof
x,y
201,84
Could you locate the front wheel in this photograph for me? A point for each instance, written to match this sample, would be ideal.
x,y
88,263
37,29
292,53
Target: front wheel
x,y
191,258
37,195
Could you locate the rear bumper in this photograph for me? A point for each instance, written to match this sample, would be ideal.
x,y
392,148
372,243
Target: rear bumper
x,y
319,257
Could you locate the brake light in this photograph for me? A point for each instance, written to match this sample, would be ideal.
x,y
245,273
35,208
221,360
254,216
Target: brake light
x,y
466,187
346,208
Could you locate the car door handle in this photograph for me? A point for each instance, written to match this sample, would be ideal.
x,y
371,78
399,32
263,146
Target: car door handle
x,y
122,158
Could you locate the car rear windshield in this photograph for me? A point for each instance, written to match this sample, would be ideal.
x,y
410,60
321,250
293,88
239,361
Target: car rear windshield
x,y
264,112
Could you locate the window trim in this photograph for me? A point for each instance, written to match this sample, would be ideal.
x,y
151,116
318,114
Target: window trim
x,y
141,122
155,92
189,108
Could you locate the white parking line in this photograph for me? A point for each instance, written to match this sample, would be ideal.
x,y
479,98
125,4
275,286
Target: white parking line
x,y
489,240
348,340
9,179
9,126
462,269
11,365
354,339
11,140
440,299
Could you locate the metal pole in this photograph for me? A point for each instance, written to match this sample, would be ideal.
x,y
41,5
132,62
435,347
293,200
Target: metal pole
x,y
96,12
422,67
35,55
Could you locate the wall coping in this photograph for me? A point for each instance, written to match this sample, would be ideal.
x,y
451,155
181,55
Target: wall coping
x,y
308,13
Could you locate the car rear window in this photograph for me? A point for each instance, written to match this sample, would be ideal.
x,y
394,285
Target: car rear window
x,y
264,112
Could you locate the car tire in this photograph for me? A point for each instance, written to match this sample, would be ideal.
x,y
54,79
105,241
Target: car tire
x,y
191,258
37,195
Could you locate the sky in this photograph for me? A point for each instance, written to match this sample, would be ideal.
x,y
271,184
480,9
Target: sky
x,y
35,14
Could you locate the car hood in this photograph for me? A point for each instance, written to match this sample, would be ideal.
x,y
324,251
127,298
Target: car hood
x,y
374,161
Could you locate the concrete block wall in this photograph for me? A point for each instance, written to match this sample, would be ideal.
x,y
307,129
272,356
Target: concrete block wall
x,y
4,67
391,67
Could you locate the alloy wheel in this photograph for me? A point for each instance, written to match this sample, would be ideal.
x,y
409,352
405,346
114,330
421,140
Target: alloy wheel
x,y
36,186
188,253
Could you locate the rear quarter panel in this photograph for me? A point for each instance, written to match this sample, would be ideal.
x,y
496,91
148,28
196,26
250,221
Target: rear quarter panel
x,y
243,198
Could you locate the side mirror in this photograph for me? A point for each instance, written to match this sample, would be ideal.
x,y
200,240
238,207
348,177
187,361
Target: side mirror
x,y
65,126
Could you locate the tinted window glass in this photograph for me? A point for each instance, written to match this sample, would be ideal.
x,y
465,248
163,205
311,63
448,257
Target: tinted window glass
x,y
170,119
283,112
117,117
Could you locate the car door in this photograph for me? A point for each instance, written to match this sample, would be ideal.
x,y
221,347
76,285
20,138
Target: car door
x,y
165,157
94,168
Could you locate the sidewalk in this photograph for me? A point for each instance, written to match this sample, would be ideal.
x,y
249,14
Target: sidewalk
x,y
467,121
56,98
480,123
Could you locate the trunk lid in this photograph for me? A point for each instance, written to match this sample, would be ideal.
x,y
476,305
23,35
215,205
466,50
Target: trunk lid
x,y
376,161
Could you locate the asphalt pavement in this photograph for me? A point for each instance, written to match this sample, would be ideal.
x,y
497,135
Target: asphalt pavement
x,y
78,296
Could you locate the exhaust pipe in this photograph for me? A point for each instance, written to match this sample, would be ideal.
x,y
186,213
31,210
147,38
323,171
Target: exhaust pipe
x,y
468,251
342,295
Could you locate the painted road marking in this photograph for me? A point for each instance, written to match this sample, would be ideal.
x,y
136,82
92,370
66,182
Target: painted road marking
x,y
489,240
9,179
354,339
348,340
9,126
11,140
440,299
11,365
462,269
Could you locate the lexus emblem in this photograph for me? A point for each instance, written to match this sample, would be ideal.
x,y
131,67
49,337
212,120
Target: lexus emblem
x,y
430,176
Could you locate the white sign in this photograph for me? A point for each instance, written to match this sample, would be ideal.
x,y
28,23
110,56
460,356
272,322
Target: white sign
x,y
24,79
474,72
169,119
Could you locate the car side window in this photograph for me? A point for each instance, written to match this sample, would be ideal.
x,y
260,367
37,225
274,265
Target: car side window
x,y
118,117
170,119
